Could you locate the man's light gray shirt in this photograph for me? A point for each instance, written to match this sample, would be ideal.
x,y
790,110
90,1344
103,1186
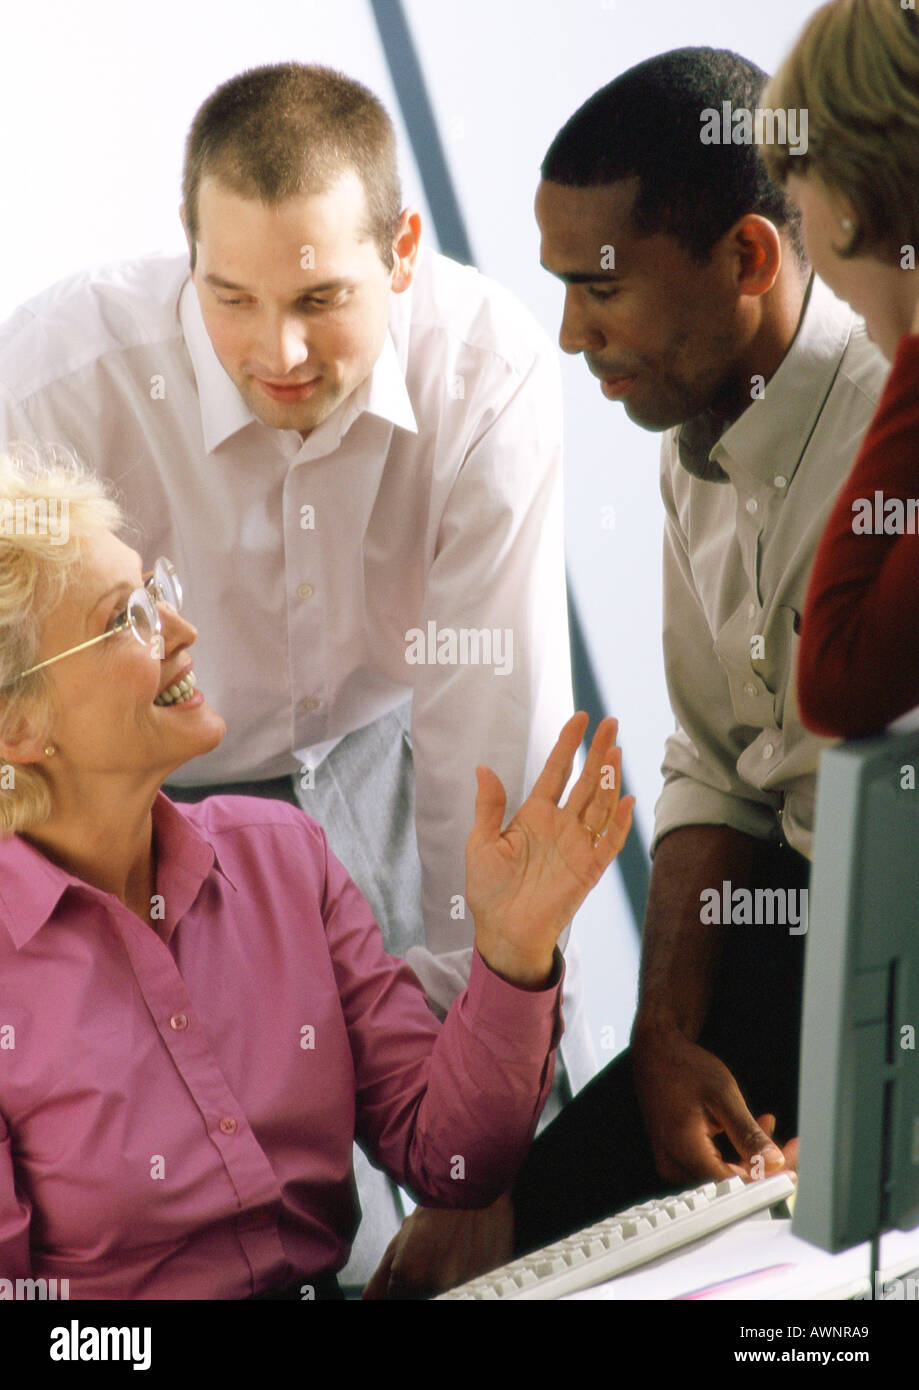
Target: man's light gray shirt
x,y
745,509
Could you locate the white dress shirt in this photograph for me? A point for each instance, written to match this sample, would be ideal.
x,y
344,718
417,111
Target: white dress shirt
x,y
435,491
746,506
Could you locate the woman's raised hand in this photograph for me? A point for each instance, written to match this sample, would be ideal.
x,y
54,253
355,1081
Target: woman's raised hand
x,y
524,885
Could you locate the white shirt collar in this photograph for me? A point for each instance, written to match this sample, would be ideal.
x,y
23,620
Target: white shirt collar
x,y
223,411
387,393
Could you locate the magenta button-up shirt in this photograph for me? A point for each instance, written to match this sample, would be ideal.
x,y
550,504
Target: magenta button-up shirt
x,y
178,1100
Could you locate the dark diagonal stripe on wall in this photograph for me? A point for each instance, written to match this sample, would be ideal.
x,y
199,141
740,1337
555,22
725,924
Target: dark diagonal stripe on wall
x,y
453,238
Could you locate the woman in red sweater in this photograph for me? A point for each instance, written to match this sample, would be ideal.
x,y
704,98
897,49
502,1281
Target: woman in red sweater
x,y
855,73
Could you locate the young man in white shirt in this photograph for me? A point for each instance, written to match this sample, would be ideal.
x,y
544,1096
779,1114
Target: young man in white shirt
x,y
350,446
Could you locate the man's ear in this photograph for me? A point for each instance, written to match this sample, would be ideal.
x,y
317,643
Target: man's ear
x,y
405,249
757,247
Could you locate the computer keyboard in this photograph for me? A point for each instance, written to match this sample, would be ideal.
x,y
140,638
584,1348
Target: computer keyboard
x,y
627,1240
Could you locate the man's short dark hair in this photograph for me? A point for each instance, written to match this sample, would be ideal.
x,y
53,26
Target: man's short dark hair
x,y
648,123
278,131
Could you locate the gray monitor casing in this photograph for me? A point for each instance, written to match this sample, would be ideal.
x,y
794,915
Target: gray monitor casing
x,y
859,1088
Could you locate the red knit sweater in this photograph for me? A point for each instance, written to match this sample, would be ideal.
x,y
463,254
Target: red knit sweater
x,y
858,665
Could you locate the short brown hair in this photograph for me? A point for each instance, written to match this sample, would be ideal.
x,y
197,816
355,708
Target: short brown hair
x,y
855,70
278,131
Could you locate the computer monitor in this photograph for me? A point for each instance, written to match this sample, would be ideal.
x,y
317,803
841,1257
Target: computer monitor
x,y
859,1089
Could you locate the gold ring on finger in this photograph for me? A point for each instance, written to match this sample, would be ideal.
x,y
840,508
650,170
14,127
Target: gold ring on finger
x,y
595,835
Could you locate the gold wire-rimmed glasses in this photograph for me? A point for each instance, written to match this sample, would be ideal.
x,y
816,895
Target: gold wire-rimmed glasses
x,y
140,614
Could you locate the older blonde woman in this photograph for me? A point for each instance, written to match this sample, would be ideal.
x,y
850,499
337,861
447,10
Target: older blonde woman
x,y
855,70
198,1012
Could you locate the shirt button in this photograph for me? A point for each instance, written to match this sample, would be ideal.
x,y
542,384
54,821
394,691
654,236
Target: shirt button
x,y
780,481
309,704
768,750
178,1022
750,688
228,1125
751,611
304,591
752,505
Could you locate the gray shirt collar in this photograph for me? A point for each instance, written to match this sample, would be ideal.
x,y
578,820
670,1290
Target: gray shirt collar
x,y
775,428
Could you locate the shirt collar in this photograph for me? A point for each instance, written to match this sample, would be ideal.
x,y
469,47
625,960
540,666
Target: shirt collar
x,y
777,426
32,885
224,412
387,394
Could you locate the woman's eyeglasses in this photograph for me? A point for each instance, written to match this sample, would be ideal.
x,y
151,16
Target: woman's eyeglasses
x,y
141,614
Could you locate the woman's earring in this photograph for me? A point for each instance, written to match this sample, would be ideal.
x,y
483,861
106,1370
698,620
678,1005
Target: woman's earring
x,y
50,750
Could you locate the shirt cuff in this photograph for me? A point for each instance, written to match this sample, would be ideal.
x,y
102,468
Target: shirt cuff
x,y
685,802
443,977
518,1020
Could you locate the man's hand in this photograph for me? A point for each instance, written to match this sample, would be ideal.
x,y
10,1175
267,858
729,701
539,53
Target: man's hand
x,y
688,1097
435,1250
523,885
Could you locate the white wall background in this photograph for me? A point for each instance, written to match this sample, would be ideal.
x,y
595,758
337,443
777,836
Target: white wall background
x,y
95,101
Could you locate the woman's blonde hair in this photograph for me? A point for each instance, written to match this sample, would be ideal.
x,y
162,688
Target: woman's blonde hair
x,y
855,71
50,505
